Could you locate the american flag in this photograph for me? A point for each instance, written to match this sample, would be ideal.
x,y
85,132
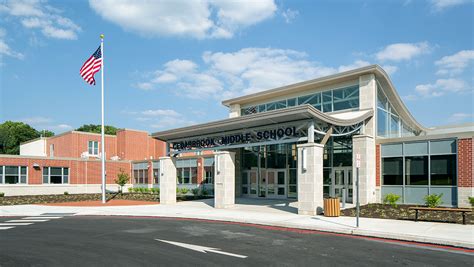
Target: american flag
x,y
91,67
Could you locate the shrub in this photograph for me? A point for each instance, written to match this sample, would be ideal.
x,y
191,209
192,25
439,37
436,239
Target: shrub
x,y
66,193
204,192
471,200
433,200
195,191
184,191
2,194
122,179
130,189
155,190
136,189
391,199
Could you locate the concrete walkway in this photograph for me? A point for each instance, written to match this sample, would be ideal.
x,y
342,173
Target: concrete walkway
x,y
275,213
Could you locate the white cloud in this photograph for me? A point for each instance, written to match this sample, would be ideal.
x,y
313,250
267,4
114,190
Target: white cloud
x,y
36,14
5,49
439,5
461,117
289,15
355,65
403,51
455,64
249,70
196,19
390,69
161,112
46,123
36,120
440,87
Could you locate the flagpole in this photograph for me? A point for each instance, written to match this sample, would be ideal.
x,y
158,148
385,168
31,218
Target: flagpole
x,y
102,127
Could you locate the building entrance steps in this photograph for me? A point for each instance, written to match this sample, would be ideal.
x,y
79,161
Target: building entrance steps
x,y
280,213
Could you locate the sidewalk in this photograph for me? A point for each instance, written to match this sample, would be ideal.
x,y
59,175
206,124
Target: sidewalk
x,y
275,213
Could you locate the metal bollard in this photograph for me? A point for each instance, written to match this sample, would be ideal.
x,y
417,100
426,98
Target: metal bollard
x,y
343,197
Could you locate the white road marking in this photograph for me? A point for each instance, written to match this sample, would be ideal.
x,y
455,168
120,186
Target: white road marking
x,y
40,217
6,228
15,224
202,249
15,221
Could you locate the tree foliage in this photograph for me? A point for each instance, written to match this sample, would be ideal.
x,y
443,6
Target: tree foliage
x,y
13,133
96,128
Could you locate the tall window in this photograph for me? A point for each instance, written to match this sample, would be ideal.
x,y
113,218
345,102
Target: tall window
x,y
208,171
156,172
13,174
140,173
186,171
55,175
93,148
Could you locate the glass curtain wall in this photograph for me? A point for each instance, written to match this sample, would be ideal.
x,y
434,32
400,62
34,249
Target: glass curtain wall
x,y
416,169
389,123
346,98
337,153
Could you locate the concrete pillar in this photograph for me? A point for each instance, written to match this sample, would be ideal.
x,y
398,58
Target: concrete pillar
x,y
167,180
365,146
310,178
368,98
234,111
224,181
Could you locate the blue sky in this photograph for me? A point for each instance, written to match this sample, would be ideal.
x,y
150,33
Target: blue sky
x,y
170,63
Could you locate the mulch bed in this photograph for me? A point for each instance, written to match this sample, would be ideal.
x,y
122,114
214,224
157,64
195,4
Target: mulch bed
x,y
401,212
98,203
43,199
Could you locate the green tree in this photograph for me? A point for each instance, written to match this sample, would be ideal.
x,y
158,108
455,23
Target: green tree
x,y
122,179
96,128
12,134
46,133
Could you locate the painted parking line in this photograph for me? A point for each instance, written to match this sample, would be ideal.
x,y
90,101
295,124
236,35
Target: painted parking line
x,y
40,218
57,214
6,228
32,221
14,224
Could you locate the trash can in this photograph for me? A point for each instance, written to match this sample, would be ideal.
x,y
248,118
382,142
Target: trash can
x,y
332,207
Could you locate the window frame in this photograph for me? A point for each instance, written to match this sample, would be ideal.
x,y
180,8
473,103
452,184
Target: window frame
x,y
93,148
19,175
68,175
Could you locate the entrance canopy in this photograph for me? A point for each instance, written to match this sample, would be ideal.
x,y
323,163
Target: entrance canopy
x,y
277,126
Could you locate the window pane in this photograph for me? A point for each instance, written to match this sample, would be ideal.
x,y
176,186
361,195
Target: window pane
x,y
394,126
45,179
291,102
66,171
11,170
327,101
56,179
443,147
194,175
23,179
281,178
262,108
392,150
1,170
346,98
11,179
245,178
416,170
392,171
381,100
443,170
65,179
281,104
56,171
23,170
271,106
327,176
419,148
382,122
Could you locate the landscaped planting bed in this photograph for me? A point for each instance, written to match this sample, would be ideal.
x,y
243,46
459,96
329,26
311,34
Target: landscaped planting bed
x,y
401,212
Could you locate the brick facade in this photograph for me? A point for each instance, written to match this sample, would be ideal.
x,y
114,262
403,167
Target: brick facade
x,y
465,162
377,165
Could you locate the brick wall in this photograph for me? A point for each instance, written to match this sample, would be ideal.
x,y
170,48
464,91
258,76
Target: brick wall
x,y
80,171
72,144
465,162
377,165
138,145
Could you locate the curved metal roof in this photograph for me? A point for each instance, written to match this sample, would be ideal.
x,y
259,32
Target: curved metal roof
x,y
379,73
303,112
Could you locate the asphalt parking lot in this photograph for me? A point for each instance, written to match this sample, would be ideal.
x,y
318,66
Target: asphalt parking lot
x,y
61,239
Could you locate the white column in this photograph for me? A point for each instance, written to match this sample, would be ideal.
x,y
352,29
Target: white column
x,y
367,98
310,178
234,111
365,146
224,179
167,180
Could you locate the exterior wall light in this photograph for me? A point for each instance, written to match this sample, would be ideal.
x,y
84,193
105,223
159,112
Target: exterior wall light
x,y
303,159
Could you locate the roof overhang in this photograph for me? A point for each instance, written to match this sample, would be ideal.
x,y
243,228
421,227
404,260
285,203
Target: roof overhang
x,y
291,114
341,77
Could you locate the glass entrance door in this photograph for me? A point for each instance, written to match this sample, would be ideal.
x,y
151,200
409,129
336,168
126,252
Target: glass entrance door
x,y
342,179
276,183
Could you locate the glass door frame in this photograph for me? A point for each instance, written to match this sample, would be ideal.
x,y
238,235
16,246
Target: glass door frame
x,y
346,183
